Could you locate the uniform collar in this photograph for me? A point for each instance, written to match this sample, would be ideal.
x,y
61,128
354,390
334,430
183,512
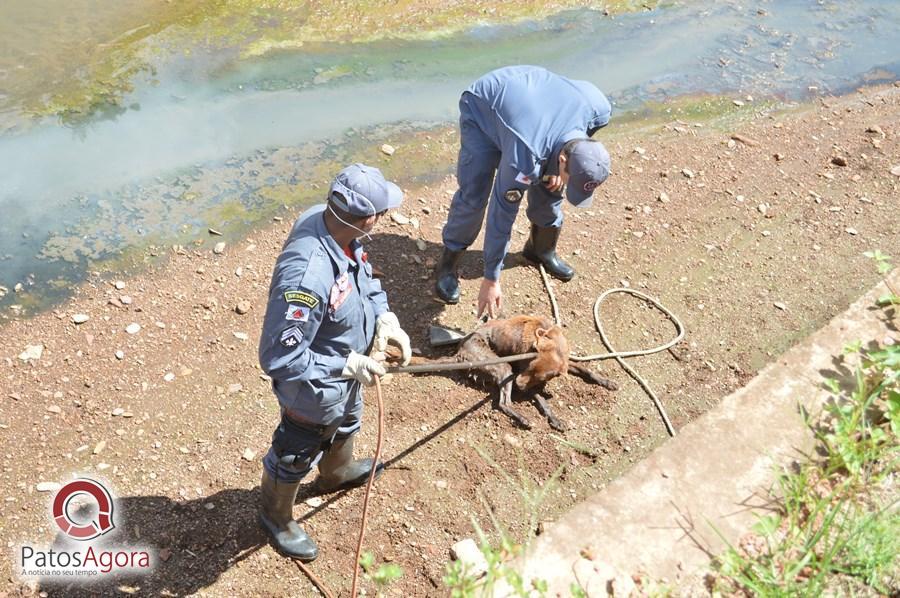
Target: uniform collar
x,y
334,250
551,164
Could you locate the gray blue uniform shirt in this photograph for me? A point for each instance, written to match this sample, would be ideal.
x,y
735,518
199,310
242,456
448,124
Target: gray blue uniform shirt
x,y
527,113
321,306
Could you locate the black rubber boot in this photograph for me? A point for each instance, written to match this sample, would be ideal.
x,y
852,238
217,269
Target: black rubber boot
x,y
338,470
447,285
541,248
276,516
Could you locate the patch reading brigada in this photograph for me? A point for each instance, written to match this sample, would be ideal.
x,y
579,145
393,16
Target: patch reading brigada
x,y
307,299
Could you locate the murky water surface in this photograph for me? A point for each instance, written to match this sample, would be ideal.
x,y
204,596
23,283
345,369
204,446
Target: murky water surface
x,y
211,140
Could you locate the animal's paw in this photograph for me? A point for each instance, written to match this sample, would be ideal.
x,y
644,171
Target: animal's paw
x,y
557,424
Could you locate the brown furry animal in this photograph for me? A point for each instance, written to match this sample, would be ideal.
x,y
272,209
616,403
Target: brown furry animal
x,y
525,334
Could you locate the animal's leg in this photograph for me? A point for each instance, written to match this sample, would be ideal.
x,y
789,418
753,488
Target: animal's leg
x,y
545,410
504,404
477,348
591,376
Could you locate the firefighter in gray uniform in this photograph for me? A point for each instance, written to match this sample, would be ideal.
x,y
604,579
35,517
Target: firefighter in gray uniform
x,y
324,315
532,129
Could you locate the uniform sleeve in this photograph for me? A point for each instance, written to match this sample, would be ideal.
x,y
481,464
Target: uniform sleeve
x,y
293,317
502,210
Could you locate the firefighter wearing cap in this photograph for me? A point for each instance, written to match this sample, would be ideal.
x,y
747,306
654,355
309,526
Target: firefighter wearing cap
x,y
526,131
324,315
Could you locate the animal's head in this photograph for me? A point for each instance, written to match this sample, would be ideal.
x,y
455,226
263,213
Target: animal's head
x,y
552,360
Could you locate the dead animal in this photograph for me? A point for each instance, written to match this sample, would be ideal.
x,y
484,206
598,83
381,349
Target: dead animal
x,y
514,336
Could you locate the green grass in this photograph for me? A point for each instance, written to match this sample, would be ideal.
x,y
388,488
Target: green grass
x,y
836,526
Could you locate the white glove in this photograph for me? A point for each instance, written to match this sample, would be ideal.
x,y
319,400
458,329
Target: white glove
x,y
362,368
387,329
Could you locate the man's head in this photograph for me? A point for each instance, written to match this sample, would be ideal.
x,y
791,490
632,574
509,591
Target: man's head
x,y
360,194
583,165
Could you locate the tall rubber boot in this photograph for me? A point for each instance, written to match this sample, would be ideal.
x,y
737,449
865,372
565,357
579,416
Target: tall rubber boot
x,y
276,516
338,470
447,285
541,248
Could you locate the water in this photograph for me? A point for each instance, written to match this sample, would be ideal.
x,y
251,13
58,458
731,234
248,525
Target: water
x,y
219,141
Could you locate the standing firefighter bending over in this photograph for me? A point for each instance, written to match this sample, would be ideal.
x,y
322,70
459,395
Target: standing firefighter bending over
x,y
533,128
325,313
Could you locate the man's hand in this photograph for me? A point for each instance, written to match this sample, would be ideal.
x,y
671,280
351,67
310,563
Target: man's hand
x,y
490,298
553,183
362,368
388,330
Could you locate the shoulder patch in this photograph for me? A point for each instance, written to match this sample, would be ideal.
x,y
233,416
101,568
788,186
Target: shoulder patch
x,y
302,297
291,337
297,313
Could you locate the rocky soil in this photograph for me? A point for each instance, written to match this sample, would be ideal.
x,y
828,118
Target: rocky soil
x,y
750,228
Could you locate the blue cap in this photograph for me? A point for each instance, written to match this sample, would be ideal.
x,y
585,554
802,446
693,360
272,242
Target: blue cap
x,y
588,166
362,190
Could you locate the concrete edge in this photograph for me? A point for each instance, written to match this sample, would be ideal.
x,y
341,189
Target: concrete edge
x,y
663,518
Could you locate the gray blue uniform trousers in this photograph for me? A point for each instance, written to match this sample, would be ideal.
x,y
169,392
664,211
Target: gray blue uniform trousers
x,y
298,446
479,158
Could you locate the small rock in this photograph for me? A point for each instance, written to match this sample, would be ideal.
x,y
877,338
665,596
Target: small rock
x,y
663,197
214,232
133,328
851,231
778,157
120,355
98,448
125,299
640,151
399,218
31,352
102,466
248,455
219,247
762,208
687,172
895,170
839,160
467,552
235,388
512,440
117,412
47,486
54,409
242,307
780,305
421,245
875,129
119,285
737,103
80,318
241,336
169,377
388,149
623,585
165,554
315,502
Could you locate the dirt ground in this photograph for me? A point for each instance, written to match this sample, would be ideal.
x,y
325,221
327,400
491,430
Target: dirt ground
x,y
753,241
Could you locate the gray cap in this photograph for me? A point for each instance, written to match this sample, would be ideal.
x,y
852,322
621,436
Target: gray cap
x,y
362,190
588,166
